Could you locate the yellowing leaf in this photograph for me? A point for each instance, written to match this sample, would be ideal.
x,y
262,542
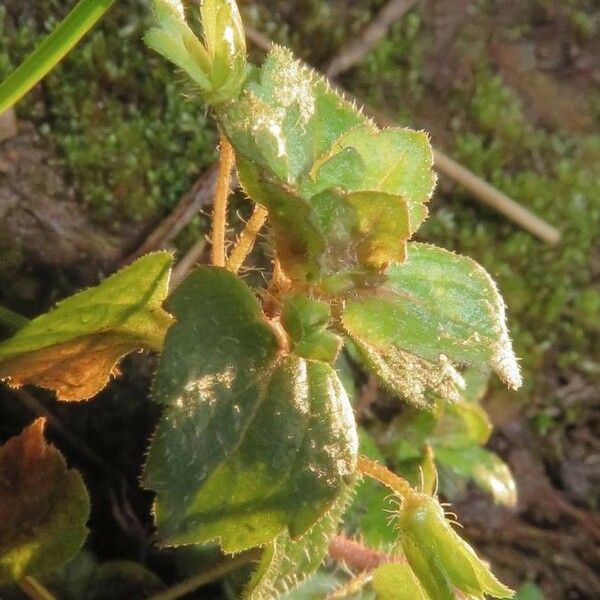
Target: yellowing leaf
x,y
343,196
74,348
395,161
43,506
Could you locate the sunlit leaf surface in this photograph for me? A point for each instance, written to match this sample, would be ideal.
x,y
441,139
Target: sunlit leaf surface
x,y
435,311
396,581
439,557
253,443
74,348
354,193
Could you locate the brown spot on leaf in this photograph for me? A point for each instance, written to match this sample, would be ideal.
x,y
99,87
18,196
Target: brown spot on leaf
x,y
76,370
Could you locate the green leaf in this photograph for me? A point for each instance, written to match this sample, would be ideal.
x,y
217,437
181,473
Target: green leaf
x,y
396,581
486,469
52,50
44,506
529,591
306,321
10,320
315,588
362,230
455,426
311,158
74,348
126,580
477,380
287,117
225,41
394,161
252,444
409,376
436,310
461,425
287,563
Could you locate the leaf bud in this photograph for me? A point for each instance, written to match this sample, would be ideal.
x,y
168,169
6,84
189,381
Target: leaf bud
x,y
439,557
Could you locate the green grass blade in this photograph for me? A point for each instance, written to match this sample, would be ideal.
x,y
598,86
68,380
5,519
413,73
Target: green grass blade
x,y
51,50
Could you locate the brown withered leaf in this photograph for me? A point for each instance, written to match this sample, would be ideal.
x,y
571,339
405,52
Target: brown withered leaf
x,y
74,348
44,506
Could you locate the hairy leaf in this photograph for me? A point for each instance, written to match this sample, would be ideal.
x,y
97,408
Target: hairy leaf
x,y
411,377
439,557
435,310
252,443
312,158
394,161
286,563
44,506
307,322
74,348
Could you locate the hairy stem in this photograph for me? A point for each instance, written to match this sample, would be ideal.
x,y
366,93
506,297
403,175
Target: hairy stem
x,y
220,204
11,319
247,239
217,572
380,473
34,589
358,556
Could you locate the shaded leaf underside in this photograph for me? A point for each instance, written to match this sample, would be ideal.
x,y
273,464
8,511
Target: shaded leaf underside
x,y
44,506
286,563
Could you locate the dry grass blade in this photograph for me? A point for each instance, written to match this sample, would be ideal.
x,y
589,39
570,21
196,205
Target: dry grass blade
x,y
200,196
353,51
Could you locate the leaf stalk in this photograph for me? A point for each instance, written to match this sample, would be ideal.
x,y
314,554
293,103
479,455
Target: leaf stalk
x,y
32,588
220,203
380,473
247,239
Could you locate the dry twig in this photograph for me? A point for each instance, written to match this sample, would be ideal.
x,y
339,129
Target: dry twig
x,y
355,50
191,203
